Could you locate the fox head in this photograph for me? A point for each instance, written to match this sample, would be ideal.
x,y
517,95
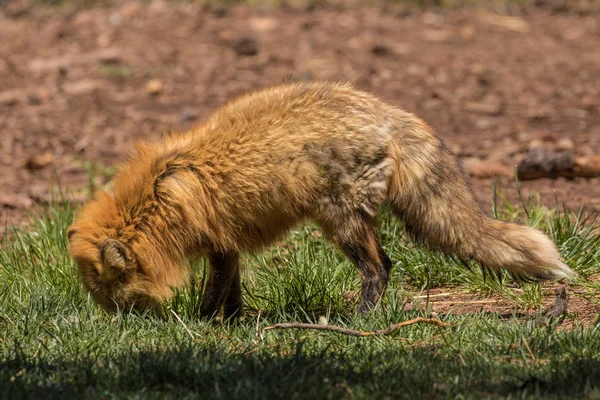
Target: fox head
x,y
120,271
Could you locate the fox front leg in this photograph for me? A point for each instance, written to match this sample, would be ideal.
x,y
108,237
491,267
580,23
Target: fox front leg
x,y
223,282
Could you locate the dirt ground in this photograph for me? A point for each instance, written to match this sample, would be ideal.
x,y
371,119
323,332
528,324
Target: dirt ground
x,y
78,88
582,308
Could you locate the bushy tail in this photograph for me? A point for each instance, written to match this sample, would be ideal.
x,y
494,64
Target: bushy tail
x,y
522,250
429,192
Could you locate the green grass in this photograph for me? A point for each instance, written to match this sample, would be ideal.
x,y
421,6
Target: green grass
x,y
55,343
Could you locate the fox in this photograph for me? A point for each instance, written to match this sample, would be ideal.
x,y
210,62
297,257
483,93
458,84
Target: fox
x,y
264,162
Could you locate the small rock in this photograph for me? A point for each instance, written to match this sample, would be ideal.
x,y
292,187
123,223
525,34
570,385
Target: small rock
x,y
245,46
218,10
588,166
263,24
154,87
544,136
33,100
303,76
586,101
535,144
437,35
516,24
381,50
565,144
404,12
39,95
84,86
10,97
486,169
15,201
108,55
39,161
188,114
484,123
538,113
542,163
483,108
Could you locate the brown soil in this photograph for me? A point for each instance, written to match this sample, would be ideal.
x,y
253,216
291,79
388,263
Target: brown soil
x,y
82,87
583,308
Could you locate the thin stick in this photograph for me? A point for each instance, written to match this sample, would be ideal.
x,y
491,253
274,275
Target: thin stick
x,y
181,322
258,331
488,301
528,348
352,332
435,295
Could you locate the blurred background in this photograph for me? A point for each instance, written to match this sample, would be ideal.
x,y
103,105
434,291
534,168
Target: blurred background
x,y
504,83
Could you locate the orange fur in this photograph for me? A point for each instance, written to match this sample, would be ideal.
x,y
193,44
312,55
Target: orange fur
x,y
265,162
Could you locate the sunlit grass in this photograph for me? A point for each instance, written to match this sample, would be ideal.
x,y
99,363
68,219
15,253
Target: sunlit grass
x,y
55,343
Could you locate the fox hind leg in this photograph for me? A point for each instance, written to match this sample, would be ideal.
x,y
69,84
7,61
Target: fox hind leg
x,y
385,260
358,239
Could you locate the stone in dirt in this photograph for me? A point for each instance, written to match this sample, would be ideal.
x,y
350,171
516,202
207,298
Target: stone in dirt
x,y
154,87
542,163
15,201
39,161
483,169
245,46
84,86
10,97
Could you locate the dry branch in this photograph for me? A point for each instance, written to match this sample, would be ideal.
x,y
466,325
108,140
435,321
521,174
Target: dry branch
x,y
352,332
560,305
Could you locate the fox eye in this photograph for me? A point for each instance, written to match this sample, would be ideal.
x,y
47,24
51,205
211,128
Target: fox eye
x,y
122,277
93,272
139,270
71,231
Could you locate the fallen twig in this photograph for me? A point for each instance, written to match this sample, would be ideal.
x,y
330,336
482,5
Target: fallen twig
x,y
352,332
559,307
528,348
184,326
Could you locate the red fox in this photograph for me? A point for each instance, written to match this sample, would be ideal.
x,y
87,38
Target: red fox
x,y
267,161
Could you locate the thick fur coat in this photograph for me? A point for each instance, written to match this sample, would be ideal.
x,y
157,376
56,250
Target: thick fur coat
x,y
267,161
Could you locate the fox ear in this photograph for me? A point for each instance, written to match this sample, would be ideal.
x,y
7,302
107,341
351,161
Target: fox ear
x,y
72,230
114,254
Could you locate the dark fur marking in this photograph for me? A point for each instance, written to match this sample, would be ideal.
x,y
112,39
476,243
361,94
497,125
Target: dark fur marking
x,y
223,269
234,305
373,273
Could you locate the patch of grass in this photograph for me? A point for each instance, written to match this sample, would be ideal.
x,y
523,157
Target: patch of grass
x,y
55,343
97,172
